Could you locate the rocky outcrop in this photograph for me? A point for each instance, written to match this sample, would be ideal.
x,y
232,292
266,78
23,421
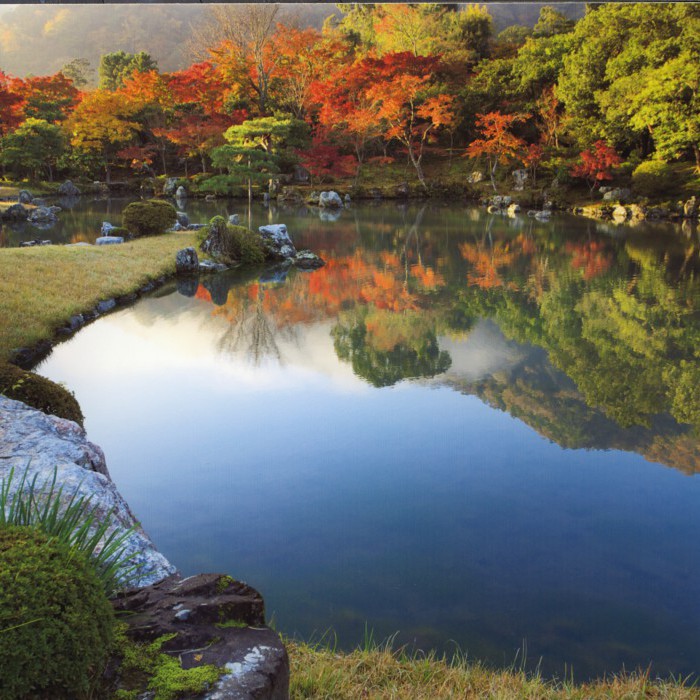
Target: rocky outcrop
x,y
277,242
17,212
186,261
520,177
68,189
617,194
217,620
306,260
38,444
44,215
330,200
170,186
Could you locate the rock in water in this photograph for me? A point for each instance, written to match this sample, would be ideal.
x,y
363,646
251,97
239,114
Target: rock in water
x,y
170,186
330,199
277,242
68,189
182,219
16,212
306,260
186,261
690,208
25,197
181,193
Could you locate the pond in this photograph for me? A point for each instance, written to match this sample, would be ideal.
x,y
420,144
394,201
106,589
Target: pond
x,y
470,431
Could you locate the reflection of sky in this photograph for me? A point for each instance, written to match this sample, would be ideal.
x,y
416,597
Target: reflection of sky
x,y
412,508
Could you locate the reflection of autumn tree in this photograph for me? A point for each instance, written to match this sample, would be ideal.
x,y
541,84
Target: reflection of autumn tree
x,y
385,347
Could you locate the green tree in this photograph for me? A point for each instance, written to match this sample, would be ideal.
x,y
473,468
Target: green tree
x,y
472,32
33,147
552,22
78,70
117,66
256,148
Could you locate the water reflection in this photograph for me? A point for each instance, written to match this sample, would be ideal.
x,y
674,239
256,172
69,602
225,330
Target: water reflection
x,y
447,431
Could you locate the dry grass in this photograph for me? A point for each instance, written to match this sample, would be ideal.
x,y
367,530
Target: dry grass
x,y
42,287
319,673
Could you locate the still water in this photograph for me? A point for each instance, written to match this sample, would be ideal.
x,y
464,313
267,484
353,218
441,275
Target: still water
x,y
469,431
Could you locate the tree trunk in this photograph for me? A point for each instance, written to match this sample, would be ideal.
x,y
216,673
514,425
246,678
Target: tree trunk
x,y
416,164
204,162
108,174
162,158
492,173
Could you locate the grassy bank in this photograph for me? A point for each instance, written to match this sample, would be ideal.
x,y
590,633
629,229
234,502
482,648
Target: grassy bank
x,y
319,673
42,287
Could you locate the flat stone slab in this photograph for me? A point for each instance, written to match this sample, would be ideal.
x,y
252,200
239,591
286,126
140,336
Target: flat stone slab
x,y
109,240
219,621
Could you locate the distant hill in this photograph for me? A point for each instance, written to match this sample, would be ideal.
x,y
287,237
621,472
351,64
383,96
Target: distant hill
x,y
41,39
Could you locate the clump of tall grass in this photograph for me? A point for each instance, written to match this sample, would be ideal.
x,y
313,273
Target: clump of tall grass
x,y
74,523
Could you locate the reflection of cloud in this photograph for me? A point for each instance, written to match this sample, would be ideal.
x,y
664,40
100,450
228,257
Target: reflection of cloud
x,y
179,336
484,352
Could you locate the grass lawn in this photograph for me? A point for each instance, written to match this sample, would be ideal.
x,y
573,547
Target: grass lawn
x,y
42,287
318,673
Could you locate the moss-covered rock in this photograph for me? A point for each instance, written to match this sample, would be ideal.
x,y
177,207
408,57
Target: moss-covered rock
x,y
233,244
148,218
56,625
38,392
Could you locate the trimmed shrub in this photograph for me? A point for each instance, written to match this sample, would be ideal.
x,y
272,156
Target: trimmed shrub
x,y
38,392
653,178
243,245
149,218
234,244
56,624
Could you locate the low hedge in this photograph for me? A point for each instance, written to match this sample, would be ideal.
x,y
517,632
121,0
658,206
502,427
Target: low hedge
x,y
148,218
38,392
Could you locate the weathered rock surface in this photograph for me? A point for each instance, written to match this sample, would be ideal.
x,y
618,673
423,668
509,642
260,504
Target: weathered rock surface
x,y
330,199
617,194
181,192
33,441
68,189
520,177
690,208
619,213
106,228
25,197
186,261
217,621
474,177
109,240
306,260
513,209
17,212
170,186
234,220
182,218
277,241
211,266
31,244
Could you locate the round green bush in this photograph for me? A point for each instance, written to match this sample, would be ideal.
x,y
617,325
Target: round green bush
x,y
56,624
653,178
148,218
38,392
243,245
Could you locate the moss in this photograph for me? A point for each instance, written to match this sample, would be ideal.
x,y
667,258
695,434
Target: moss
x,y
145,668
223,583
56,624
39,392
232,623
149,218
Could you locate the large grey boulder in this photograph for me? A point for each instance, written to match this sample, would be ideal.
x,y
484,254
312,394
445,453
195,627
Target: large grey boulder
x,y
106,228
25,197
234,220
109,240
181,192
17,212
43,214
620,213
68,189
182,219
277,242
170,186
186,261
36,443
617,194
330,199
520,177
